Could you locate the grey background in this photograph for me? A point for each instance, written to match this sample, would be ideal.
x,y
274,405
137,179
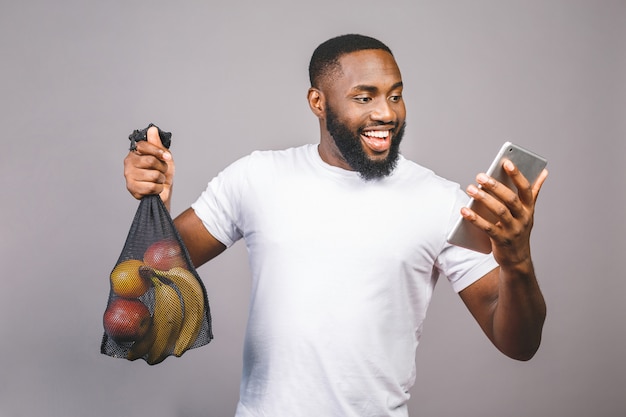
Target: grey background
x,y
230,77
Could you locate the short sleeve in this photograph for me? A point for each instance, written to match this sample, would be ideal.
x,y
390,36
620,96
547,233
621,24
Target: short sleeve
x,y
219,205
463,266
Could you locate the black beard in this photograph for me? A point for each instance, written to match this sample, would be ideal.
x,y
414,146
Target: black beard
x,y
349,144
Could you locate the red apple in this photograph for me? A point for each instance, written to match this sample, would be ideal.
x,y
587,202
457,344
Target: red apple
x,y
164,255
126,320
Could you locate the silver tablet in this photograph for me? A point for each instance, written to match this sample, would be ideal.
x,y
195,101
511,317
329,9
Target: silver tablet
x,y
530,165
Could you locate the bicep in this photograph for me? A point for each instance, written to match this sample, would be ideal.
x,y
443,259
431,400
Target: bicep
x,y
481,299
201,244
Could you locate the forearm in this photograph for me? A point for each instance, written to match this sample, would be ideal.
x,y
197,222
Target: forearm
x,y
507,302
519,312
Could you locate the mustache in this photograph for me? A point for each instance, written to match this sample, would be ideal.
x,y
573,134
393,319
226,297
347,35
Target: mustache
x,y
395,126
391,125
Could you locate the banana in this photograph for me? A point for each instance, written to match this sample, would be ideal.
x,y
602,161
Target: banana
x,y
193,300
141,347
167,321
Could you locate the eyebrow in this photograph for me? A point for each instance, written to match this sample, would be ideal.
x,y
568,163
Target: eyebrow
x,y
374,89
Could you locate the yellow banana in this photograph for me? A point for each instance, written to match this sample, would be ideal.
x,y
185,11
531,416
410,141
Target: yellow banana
x,y
193,300
141,347
167,321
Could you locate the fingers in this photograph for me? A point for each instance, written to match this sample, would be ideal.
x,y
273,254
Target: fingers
x,y
153,146
512,211
524,188
503,213
140,189
539,183
149,169
518,202
145,162
145,174
498,198
509,217
526,191
478,221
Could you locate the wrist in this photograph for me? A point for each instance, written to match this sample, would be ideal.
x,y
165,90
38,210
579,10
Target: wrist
x,y
521,268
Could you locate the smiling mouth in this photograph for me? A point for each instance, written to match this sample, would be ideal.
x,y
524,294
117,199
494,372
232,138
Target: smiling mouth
x,y
377,140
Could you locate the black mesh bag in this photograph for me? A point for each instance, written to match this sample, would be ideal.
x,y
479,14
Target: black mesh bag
x,y
157,305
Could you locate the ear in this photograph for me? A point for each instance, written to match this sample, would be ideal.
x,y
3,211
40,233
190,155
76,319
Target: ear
x,y
316,102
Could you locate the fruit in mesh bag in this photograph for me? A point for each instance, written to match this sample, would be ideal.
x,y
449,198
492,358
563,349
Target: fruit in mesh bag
x,y
179,304
142,346
126,320
193,301
167,321
126,281
164,255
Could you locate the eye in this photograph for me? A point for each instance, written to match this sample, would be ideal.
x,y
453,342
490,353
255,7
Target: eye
x,y
362,99
395,98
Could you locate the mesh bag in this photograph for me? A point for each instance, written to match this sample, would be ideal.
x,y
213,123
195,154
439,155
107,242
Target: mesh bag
x,y
157,305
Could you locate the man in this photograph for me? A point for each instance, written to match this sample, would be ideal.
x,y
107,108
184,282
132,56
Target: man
x,y
346,240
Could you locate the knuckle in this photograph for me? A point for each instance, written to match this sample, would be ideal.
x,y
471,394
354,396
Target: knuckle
x,y
157,177
527,223
501,211
513,200
134,192
141,146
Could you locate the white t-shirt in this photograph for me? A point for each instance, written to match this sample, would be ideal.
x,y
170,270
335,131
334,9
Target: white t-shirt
x,y
343,272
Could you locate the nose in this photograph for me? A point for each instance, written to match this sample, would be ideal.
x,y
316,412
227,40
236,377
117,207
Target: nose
x,y
383,112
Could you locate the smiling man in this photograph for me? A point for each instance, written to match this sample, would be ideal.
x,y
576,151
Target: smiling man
x,y
370,143
346,240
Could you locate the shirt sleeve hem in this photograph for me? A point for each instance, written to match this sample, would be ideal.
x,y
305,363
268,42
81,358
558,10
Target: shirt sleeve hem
x,y
211,229
476,273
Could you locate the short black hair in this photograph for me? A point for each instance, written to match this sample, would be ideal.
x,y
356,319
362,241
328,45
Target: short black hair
x,y
325,58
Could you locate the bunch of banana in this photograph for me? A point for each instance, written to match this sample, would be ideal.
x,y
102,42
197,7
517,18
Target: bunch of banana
x,y
193,301
167,321
177,318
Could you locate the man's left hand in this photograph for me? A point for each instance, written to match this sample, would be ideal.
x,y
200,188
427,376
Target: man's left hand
x,y
510,234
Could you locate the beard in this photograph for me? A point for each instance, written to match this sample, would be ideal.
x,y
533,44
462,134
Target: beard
x,y
349,144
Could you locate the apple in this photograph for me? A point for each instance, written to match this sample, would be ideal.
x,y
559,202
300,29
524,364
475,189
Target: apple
x,y
164,255
127,280
126,320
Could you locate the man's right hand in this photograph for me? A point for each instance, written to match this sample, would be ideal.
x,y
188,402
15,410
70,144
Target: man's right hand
x,y
150,168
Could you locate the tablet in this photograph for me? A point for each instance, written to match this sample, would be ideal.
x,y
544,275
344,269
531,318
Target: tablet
x,y
530,164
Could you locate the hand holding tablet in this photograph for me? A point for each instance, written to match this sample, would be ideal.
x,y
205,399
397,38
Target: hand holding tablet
x,y
529,164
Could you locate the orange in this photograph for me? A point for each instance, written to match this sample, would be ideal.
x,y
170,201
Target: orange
x,y
126,280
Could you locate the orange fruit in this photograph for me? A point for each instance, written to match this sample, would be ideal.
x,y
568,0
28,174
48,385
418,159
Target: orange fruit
x,y
126,280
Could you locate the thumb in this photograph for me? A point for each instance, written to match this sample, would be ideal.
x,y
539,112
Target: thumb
x,y
153,136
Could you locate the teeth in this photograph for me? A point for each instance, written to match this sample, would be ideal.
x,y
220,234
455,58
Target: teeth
x,y
376,133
